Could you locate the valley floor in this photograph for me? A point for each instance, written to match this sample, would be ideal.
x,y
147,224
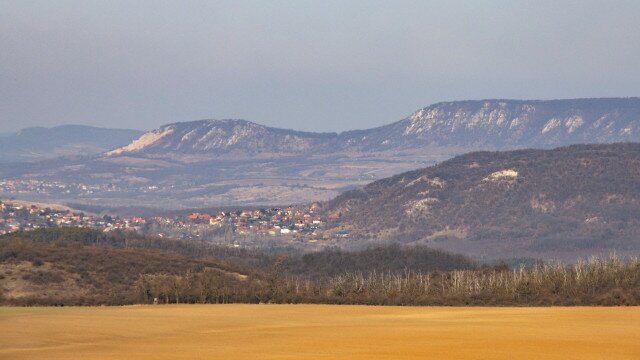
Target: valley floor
x,y
318,332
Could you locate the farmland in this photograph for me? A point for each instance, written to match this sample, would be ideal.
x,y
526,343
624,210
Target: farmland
x,y
318,332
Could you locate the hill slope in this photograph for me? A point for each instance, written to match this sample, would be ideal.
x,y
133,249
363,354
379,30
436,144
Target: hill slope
x,y
76,266
487,124
511,124
568,201
222,136
79,266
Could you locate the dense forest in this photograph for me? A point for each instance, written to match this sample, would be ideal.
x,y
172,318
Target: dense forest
x,y
85,267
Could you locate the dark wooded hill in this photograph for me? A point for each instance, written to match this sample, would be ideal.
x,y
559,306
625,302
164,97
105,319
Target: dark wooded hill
x,y
79,266
73,266
566,202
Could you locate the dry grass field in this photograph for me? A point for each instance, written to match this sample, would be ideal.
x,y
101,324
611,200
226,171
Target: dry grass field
x,y
318,332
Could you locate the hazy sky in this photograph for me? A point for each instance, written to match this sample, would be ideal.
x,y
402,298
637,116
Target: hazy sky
x,y
308,65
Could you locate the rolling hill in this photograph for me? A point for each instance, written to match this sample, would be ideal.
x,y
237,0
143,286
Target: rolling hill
x,y
75,266
487,124
79,266
566,202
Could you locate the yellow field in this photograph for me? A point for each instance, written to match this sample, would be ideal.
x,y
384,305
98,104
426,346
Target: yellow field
x,y
318,332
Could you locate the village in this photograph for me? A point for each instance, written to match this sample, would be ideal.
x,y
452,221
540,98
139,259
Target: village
x,y
42,187
232,227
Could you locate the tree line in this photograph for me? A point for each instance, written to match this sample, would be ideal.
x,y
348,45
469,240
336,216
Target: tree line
x,y
597,281
87,267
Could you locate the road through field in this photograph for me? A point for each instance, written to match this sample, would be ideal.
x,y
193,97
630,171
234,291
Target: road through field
x,y
318,332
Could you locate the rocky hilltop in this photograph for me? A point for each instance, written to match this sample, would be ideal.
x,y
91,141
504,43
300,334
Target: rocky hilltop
x,y
223,136
481,124
509,124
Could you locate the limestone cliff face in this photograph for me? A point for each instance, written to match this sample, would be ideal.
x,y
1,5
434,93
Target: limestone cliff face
x,y
481,124
221,136
510,124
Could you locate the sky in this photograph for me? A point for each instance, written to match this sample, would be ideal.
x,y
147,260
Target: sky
x,y
306,65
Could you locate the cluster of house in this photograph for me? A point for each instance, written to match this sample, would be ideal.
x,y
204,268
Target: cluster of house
x,y
51,187
55,187
271,221
16,217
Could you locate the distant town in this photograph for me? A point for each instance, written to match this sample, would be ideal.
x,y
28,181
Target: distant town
x,y
294,222
42,187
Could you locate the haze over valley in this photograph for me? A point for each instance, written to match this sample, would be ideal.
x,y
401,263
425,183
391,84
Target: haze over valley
x,y
236,162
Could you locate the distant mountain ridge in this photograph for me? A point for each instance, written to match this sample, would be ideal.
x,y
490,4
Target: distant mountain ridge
x,y
39,143
223,136
208,163
481,124
508,124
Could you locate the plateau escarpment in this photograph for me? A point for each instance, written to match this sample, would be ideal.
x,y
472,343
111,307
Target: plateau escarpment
x,y
486,124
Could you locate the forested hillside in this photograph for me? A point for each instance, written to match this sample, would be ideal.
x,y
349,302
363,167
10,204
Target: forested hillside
x,y
567,202
82,266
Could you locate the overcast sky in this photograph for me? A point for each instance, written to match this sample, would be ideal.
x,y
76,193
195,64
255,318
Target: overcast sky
x,y
307,65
